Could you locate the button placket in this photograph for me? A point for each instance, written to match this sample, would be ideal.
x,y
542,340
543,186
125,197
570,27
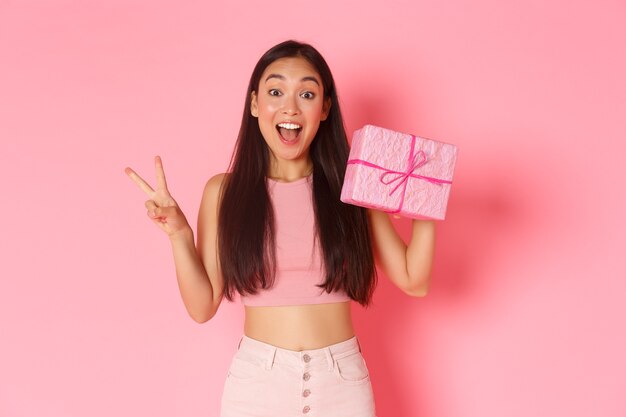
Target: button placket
x,y
306,358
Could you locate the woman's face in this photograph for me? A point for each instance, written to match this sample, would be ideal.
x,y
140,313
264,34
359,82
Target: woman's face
x,y
289,106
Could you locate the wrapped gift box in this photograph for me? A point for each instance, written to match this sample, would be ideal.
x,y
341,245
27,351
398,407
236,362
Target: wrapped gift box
x,y
399,173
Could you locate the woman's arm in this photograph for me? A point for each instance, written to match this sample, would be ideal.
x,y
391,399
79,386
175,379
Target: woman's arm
x,y
197,270
408,267
198,276
207,246
199,279
193,281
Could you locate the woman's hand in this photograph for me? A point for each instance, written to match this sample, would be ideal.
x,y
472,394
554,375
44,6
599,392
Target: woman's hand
x,y
162,208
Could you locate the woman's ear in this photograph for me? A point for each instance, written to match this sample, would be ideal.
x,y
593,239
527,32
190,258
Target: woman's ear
x,y
254,108
326,109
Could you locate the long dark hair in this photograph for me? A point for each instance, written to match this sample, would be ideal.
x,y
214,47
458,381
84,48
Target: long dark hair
x,y
246,232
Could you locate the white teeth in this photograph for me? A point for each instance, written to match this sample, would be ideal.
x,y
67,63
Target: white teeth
x,y
289,126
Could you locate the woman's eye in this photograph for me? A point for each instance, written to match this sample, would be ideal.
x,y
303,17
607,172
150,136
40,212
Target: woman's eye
x,y
274,92
308,94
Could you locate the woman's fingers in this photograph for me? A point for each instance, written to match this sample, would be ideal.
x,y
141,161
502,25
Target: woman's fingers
x,y
139,181
163,214
161,207
160,174
168,217
151,206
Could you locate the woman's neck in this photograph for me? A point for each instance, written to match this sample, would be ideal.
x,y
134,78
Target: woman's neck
x,y
290,170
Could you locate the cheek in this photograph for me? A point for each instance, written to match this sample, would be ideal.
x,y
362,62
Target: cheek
x,y
314,110
267,107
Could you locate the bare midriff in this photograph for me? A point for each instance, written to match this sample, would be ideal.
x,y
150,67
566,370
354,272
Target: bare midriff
x,y
301,327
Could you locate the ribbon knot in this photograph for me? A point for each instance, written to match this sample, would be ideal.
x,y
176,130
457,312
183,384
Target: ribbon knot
x,y
403,176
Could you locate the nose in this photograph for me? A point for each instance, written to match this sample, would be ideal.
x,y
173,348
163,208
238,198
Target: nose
x,y
290,105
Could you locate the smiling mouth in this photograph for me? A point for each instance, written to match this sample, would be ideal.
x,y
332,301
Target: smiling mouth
x,y
289,132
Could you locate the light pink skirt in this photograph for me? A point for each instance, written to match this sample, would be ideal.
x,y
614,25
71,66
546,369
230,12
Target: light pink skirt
x,y
267,381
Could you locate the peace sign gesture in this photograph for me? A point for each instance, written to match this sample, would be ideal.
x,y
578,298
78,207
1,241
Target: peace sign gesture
x,y
162,208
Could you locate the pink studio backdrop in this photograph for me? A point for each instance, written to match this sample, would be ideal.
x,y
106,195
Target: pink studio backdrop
x,y
525,316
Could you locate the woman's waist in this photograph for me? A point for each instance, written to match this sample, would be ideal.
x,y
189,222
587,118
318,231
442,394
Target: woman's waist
x,y
300,327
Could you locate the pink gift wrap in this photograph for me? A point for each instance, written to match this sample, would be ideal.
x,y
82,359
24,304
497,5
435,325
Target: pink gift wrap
x,y
399,173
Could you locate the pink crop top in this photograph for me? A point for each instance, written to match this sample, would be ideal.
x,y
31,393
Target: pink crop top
x,y
298,261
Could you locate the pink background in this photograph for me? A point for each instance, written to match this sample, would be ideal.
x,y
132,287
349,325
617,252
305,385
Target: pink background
x,y
525,316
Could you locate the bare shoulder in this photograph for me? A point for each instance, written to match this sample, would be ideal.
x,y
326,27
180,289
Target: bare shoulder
x,y
212,191
214,184
209,206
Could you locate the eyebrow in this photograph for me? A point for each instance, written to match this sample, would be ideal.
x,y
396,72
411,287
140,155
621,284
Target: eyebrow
x,y
281,77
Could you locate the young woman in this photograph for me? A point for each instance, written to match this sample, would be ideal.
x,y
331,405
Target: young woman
x,y
274,231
